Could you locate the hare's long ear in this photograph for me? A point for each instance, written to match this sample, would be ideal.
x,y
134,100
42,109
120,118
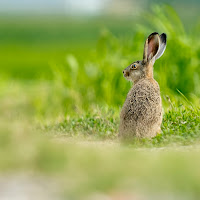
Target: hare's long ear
x,y
151,46
162,46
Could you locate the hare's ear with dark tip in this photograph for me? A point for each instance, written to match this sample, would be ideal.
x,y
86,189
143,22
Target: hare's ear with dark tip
x,y
162,46
151,46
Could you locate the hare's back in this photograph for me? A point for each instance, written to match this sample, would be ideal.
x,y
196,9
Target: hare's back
x,y
144,101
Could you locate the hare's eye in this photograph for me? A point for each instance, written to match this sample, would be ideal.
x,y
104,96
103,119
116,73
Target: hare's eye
x,y
134,66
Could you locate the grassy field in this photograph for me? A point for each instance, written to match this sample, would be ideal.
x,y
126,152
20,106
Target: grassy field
x,y
61,92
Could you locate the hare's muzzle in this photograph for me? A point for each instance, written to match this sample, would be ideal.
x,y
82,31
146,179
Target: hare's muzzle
x,y
126,73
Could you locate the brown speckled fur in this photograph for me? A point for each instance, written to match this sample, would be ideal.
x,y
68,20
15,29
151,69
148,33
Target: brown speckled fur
x,y
141,114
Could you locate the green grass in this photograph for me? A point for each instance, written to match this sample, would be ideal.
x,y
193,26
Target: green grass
x,y
180,126
61,93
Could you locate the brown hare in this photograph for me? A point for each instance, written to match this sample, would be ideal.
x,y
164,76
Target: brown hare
x,y
141,114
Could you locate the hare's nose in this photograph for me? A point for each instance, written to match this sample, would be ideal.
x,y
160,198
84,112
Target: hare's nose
x,y
126,73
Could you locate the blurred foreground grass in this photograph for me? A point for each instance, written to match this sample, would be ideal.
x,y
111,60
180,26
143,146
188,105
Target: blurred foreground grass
x,y
60,104
82,168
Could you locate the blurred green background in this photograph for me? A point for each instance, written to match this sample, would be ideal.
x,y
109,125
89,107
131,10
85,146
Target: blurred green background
x,y
84,53
61,91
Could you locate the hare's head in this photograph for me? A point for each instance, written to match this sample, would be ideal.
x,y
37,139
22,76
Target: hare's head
x,y
153,49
